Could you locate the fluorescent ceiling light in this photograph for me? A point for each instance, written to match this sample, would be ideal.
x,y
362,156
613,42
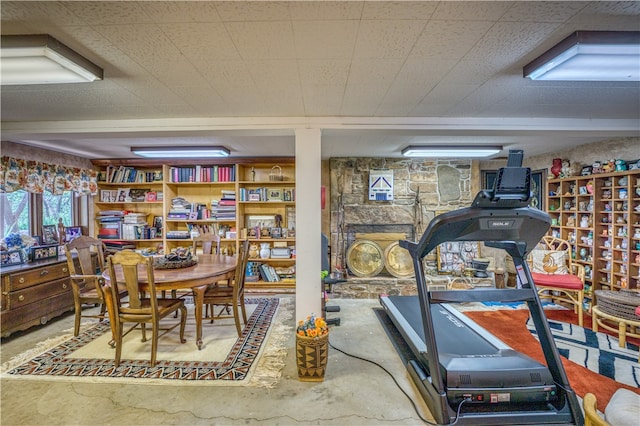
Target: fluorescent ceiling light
x,y
458,151
41,59
181,151
590,56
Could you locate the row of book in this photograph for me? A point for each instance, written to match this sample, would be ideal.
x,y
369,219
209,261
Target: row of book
x,y
203,174
123,174
256,271
267,194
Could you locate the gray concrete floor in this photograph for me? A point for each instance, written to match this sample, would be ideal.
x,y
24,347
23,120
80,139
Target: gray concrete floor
x,y
354,392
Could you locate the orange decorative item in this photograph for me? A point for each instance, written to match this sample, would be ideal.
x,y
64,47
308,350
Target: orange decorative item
x,y
312,349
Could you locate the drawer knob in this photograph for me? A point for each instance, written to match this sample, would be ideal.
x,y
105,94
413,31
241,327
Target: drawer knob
x,y
64,285
44,272
21,298
21,280
65,269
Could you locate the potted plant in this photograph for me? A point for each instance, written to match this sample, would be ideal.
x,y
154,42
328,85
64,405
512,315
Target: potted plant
x,y
312,349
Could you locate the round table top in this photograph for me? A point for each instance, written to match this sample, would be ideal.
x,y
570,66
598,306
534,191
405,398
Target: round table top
x,y
208,267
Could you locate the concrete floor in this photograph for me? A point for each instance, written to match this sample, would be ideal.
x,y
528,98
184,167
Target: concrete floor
x,y
354,392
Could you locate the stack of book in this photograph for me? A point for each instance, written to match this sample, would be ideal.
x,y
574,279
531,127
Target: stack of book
x,y
268,273
133,226
117,245
225,208
110,224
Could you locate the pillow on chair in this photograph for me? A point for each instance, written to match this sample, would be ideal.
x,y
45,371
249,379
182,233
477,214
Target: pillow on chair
x,y
623,408
549,262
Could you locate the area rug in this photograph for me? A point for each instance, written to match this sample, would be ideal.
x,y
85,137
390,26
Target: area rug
x,y
256,358
510,327
598,352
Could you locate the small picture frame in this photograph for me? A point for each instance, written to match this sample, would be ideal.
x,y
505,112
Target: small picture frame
x,y
43,252
12,257
193,215
151,196
122,195
254,196
274,194
261,221
276,232
138,194
106,195
49,234
71,233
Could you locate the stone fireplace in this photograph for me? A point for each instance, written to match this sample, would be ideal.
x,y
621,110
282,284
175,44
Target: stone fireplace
x,y
421,190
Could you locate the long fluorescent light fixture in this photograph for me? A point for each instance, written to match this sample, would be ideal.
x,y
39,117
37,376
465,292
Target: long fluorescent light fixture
x,y
455,151
590,56
181,151
41,59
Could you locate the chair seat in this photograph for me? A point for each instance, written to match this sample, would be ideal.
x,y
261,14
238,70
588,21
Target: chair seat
x,y
564,281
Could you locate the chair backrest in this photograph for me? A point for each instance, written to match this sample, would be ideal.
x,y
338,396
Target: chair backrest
x,y
241,269
84,247
210,243
132,265
550,247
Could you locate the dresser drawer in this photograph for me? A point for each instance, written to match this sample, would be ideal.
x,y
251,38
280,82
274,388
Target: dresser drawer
x,y
33,277
35,293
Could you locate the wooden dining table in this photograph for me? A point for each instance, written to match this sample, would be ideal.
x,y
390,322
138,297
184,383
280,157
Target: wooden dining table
x,y
209,269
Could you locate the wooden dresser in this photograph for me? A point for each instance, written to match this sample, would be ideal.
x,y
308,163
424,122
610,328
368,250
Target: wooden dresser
x,y
33,293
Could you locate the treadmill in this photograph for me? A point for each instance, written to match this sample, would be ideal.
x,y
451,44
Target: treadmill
x,y
465,374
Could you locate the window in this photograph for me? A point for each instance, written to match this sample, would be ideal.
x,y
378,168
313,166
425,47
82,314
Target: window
x,y
20,209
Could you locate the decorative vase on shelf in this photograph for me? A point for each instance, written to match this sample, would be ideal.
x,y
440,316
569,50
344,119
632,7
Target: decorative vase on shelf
x,y
556,167
265,250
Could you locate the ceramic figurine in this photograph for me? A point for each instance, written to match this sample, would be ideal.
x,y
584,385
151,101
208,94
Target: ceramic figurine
x,y
254,252
584,221
623,181
622,194
583,253
606,194
624,243
571,221
596,167
636,234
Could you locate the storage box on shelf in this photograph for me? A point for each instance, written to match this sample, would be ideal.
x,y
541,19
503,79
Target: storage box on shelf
x,y
599,214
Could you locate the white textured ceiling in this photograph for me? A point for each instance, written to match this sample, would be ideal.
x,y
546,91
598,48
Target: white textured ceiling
x,y
375,76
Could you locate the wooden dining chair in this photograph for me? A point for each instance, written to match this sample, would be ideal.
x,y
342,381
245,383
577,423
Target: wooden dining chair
x,y
85,260
209,243
141,310
231,295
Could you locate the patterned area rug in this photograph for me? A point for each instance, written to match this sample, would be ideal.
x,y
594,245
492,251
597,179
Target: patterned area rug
x,y
598,352
254,359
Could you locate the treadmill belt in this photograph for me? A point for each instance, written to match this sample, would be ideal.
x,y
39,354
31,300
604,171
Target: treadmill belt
x,y
456,337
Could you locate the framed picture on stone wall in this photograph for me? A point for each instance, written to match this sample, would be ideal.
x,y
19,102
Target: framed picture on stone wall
x,y
455,256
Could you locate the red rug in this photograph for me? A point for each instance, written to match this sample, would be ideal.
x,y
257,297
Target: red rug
x,y
510,327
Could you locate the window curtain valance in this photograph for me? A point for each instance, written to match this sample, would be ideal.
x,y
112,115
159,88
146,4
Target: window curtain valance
x,y
36,177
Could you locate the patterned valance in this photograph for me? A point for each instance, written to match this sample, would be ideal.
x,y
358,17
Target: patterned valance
x,y
36,177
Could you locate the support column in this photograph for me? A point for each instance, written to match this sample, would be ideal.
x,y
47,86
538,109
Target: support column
x,y
308,223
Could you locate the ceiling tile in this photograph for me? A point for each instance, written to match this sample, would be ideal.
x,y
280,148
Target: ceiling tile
x,y
330,10
180,11
543,11
398,10
387,39
263,40
463,11
236,11
449,39
325,39
323,73
109,12
198,41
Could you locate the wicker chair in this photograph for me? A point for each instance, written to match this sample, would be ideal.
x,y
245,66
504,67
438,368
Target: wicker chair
x,y
231,296
556,275
591,416
140,310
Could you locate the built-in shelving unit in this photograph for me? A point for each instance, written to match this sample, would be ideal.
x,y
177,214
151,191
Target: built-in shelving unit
x,y
252,199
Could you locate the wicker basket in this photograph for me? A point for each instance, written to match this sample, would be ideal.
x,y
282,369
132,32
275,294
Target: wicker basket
x,y
621,304
276,174
312,354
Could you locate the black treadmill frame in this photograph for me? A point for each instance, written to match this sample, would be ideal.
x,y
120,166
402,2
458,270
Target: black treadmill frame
x,y
517,230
